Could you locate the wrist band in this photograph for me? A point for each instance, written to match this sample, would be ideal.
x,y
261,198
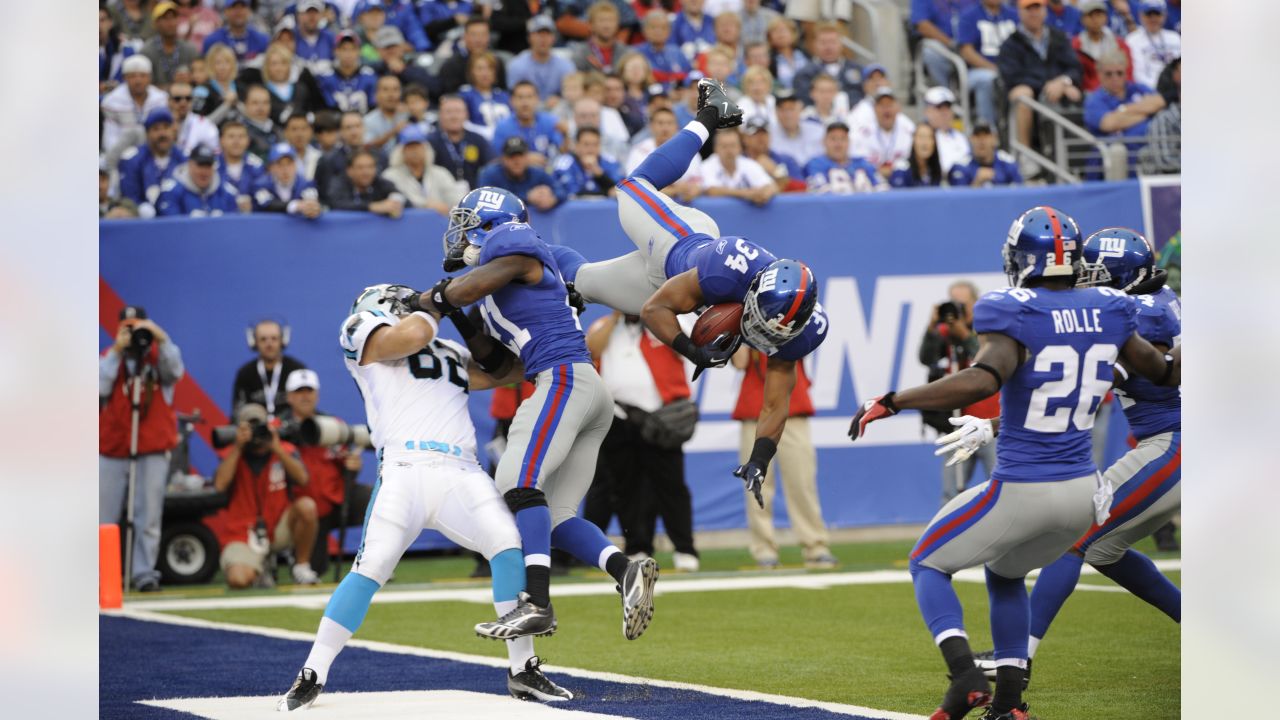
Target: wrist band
x,y
763,451
888,403
464,325
1124,374
683,345
435,326
994,373
1168,369
438,298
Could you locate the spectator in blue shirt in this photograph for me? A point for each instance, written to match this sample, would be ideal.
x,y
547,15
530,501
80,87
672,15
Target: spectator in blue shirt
x,y
585,172
513,172
983,29
284,190
988,165
144,169
692,31
939,20
351,86
438,17
314,44
1119,108
487,104
1064,17
537,128
246,41
538,65
755,145
236,165
923,167
402,15
835,172
669,65
196,189
828,59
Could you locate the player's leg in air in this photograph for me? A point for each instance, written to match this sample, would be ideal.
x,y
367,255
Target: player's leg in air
x,y
545,472
653,220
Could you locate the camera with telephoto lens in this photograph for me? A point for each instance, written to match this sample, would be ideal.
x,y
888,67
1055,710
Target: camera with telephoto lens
x,y
948,311
329,430
140,340
225,435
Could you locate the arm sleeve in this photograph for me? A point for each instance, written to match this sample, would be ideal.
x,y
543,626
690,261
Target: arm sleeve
x,y
968,33
1158,325
996,312
356,330
171,367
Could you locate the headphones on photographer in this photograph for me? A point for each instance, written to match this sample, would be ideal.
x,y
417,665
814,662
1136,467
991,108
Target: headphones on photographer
x,y
251,331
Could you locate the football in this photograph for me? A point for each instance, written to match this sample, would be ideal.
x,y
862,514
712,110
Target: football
x,y
717,319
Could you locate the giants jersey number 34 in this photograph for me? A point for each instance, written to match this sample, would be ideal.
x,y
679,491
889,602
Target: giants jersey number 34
x,y
419,398
1047,406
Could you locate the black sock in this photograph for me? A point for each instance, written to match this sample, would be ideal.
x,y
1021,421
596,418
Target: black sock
x,y
616,566
709,116
955,650
538,584
1008,688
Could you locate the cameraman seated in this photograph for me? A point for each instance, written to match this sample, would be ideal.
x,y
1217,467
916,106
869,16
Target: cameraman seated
x,y
260,517
328,467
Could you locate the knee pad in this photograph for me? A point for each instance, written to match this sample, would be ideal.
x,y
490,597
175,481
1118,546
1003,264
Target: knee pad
x,y
520,498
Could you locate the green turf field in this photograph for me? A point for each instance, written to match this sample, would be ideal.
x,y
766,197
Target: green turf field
x,y
1108,654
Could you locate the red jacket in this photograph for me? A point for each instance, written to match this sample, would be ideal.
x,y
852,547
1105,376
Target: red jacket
x,y
667,368
507,399
157,422
326,485
265,494
751,396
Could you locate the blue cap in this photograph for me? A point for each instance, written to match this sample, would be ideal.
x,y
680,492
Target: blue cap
x,y
365,5
411,134
203,155
159,115
280,150
875,67
1154,6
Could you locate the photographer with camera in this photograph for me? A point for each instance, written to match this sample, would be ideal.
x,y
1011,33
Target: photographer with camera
x,y
949,345
262,381
137,428
262,517
332,467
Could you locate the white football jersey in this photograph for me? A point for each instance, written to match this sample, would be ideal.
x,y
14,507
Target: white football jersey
x,y
421,398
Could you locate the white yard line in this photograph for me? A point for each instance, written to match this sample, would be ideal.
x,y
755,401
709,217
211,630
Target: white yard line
x,y
666,586
502,663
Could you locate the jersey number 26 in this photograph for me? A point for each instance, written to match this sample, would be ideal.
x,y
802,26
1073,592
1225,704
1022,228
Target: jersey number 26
x,y
1079,374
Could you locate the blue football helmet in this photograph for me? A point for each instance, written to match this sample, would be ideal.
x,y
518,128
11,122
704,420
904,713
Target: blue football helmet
x,y
383,299
472,218
1043,243
1117,257
778,304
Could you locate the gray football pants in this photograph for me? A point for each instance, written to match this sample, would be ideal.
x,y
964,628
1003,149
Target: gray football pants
x,y
555,438
1148,482
654,222
1010,527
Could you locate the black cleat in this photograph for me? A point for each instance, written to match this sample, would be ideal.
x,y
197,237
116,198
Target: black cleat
x,y
1018,713
986,660
531,684
526,620
968,690
711,93
637,596
305,690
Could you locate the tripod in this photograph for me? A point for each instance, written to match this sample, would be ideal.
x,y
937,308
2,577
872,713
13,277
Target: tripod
x,y
134,383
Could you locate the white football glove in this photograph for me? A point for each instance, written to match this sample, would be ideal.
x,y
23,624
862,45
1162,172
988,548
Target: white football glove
x,y
972,433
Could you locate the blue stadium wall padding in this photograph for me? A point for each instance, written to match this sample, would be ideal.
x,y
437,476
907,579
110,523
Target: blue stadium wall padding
x,y
882,260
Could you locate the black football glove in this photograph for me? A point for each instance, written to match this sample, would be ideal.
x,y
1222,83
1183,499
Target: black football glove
x,y
715,353
576,301
753,477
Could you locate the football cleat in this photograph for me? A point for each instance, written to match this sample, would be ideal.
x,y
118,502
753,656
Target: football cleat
x,y
525,620
968,690
637,596
987,661
1018,713
711,93
305,690
531,684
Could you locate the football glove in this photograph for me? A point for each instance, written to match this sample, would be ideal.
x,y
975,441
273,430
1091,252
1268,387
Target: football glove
x,y
576,300
716,353
971,434
871,411
753,477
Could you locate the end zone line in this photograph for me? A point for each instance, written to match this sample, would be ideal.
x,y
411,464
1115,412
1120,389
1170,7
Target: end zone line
x,y
483,595
379,646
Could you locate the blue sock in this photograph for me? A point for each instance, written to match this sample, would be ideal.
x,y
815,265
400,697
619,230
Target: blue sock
x,y
569,260
938,602
534,523
1010,615
668,162
1136,573
508,574
1053,587
350,601
581,539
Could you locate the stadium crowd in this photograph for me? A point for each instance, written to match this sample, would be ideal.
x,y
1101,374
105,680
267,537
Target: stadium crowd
x,y
294,107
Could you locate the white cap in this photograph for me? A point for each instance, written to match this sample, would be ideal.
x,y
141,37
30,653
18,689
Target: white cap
x,y
302,378
939,94
136,64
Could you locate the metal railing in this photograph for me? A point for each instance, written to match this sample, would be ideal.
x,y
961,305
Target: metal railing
x,y
873,19
1113,156
857,49
922,80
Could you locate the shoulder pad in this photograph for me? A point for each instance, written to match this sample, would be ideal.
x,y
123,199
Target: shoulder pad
x,y
512,239
997,311
129,153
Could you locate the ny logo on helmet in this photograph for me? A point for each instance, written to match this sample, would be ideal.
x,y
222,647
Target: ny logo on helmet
x,y
1112,247
769,280
489,200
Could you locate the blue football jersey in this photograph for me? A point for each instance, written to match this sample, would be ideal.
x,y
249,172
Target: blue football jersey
x,y
726,266
1047,406
534,321
1152,409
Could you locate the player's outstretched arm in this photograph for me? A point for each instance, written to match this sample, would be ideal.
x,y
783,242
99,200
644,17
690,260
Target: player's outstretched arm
x,y
405,338
779,381
486,280
678,295
491,364
1158,367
